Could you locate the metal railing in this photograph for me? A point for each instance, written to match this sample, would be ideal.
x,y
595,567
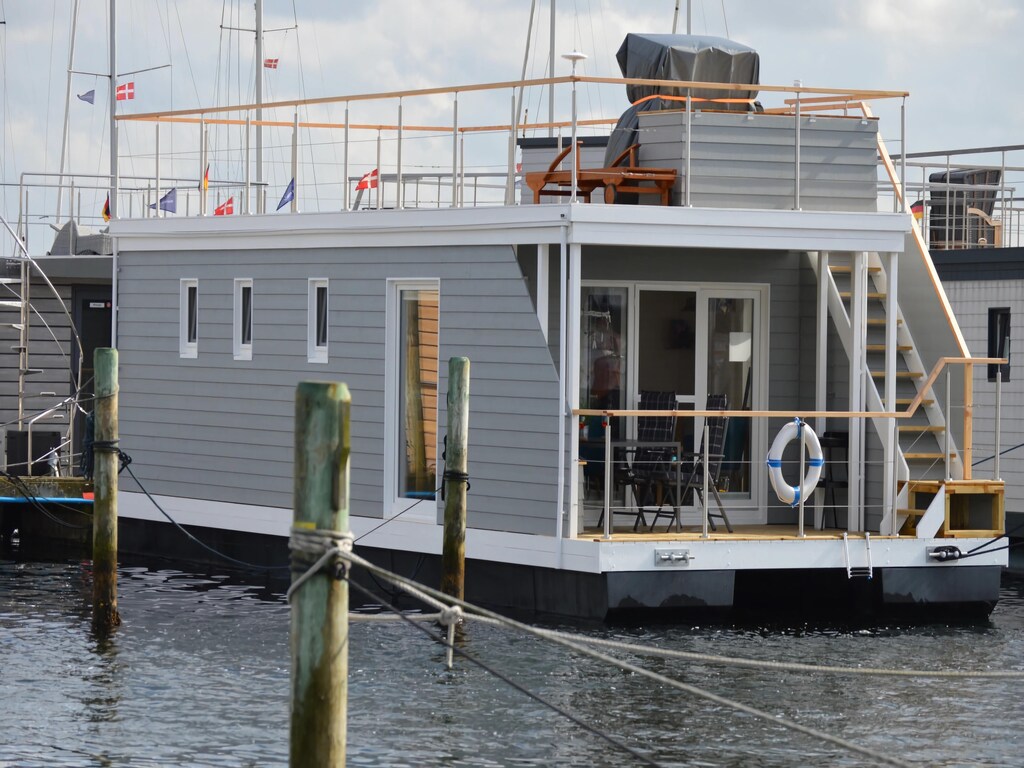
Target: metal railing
x,y
675,459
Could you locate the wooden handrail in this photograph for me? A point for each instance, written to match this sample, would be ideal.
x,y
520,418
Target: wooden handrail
x,y
911,408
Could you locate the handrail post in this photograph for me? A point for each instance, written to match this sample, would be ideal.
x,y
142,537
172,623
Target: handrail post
x,y
800,480
455,151
156,169
295,163
796,150
945,434
686,159
344,161
380,175
968,451
903,155
247,205
707,504
607,477
999,408
399,191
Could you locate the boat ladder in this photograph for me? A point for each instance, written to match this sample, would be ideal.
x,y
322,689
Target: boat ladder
x,y
865,571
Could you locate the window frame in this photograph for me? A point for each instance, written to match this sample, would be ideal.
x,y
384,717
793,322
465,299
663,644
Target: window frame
x,y
412,509
242,319
996,339
315,351
188,317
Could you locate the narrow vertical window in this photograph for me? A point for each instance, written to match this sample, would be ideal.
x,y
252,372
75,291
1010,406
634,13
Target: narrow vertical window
x,y
417,392
999,341
316,323
243,319
188,318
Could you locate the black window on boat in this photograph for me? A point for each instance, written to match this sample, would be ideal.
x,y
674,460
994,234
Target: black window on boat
x,y
999,341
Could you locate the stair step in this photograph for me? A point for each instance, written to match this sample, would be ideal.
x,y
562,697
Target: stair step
x,y
871,295
926,456
881,347
921,428
911,512
881,321
899,374
846,269
908,400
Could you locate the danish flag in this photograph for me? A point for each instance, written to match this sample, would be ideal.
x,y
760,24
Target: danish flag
x,y
369,181
270,63
226,208
126,91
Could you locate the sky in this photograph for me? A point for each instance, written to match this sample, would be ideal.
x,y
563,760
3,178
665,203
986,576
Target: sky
x,y
959,59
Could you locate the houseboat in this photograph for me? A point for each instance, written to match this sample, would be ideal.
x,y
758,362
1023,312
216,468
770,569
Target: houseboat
x,y
713,367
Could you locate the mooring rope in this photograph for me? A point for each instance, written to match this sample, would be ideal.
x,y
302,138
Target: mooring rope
x,y
574,644
507,680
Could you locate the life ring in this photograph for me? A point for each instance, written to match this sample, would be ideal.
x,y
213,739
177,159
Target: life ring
x,y
791,494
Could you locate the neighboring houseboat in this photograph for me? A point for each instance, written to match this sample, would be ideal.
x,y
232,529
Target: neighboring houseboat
x,y
628,360
969,205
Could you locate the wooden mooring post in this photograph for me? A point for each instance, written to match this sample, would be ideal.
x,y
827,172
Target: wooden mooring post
x,y
453,556
106,461
319,606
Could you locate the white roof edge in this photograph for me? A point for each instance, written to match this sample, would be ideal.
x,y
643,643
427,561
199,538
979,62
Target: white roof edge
x,y
653,226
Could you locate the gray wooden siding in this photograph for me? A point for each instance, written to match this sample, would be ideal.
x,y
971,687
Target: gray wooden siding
x,y
220,429
747,160
971,301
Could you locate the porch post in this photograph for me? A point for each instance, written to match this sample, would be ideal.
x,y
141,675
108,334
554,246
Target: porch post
x,y
563,419
892,431
573,381
820,372
542,288
858,329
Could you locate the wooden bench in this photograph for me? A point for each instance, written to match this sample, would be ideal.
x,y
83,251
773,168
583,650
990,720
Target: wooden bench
x,y
622,176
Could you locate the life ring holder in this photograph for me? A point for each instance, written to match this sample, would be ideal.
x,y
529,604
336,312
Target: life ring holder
x,y
791,494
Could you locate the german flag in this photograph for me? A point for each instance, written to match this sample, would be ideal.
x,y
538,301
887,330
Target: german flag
x,y
106,209
918,210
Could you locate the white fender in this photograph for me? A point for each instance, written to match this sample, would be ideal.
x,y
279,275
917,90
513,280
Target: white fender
x,y
791,494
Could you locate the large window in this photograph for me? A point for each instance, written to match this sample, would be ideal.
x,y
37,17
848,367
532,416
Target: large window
x,y
242,345
412,378
999,341
188,318
316,321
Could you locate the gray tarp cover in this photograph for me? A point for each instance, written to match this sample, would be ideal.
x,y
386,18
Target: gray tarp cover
x,y
679,57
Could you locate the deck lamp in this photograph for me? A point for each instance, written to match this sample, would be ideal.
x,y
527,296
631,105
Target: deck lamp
x,y
574,56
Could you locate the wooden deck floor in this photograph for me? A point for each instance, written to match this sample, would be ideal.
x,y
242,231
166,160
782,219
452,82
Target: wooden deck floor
x,y
740,533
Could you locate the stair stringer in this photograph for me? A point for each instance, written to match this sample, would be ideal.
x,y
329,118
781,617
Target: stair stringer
x,y
914,363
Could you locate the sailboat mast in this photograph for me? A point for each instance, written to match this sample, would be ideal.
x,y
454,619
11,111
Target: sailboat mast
x,y
259,100
113,109
67,111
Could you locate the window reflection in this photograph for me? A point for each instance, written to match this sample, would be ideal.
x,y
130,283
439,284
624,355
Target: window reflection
x,y
417,477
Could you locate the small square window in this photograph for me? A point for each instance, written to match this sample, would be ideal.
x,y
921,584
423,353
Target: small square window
x,y
317,323
188,318
999,341
242,325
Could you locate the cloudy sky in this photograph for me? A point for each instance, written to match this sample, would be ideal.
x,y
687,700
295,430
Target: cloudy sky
x,y
960,60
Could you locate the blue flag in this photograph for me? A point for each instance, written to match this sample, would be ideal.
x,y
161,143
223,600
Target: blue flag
x,y
288,196
168,202
89,96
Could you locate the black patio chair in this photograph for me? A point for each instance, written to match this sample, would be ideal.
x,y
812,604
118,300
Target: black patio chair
x,y
693,467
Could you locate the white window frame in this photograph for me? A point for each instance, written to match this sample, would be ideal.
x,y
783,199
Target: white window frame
x,y
317,353
187,347
242,350
413,510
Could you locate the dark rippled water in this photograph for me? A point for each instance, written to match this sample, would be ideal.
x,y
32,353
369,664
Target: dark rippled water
x,y
198,676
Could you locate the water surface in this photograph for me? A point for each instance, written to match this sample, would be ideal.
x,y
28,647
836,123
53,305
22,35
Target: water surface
x,y
198,675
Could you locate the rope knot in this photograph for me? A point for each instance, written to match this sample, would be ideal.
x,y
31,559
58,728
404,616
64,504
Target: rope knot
x,y
450,616
316,549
